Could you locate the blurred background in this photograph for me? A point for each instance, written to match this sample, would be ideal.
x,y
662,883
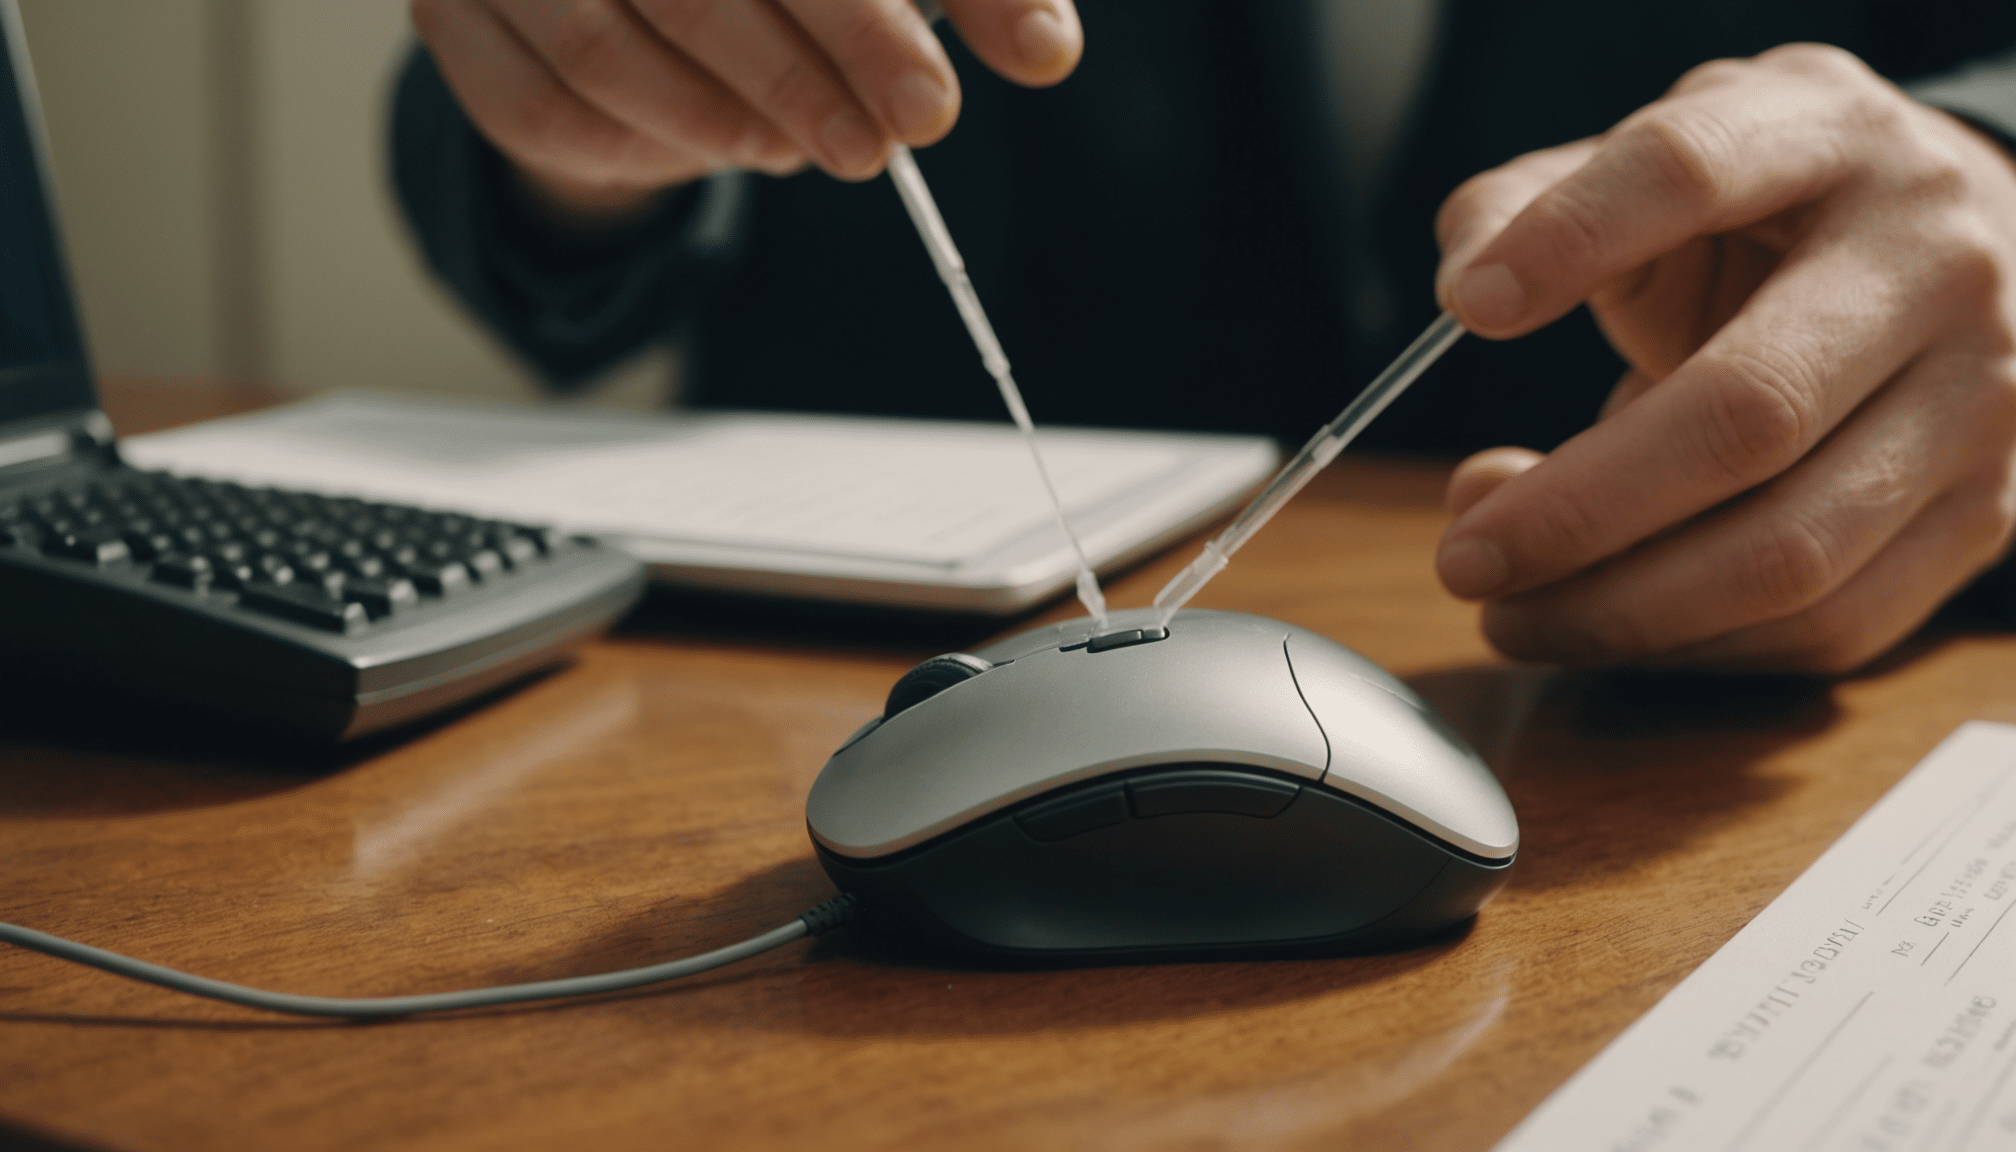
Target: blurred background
x,y
222,174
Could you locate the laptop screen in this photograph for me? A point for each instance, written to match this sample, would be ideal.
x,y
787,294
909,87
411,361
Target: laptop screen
x,y
43,368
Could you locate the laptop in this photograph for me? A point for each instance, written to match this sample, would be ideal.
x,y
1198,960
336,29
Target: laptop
x,y
322,618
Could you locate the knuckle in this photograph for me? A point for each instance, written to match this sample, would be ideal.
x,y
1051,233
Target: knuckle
x,y
1712,74
547,131
1568,524
796,87
1571,227
1990,517
588,43
1756,418
1684,152
1970,265
1785,569
859,30
676,20
1822,60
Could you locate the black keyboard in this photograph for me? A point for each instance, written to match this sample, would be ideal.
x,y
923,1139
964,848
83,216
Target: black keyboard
x,y
333,563
323,617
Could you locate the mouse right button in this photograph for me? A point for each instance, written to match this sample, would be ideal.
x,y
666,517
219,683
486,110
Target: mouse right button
x,y
1393,751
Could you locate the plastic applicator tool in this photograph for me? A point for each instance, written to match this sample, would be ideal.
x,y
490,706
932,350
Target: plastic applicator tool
x,y
951,269
1321,449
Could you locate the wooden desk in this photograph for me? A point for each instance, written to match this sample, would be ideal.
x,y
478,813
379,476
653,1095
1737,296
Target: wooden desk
x,y
646,802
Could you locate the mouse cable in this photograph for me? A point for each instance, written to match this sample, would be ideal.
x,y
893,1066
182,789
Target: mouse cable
x,y
835,913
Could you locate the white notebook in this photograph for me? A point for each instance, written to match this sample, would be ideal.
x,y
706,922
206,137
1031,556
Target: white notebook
x,y
919,513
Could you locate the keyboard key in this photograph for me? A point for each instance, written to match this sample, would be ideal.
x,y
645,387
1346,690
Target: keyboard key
x,y
310,557
367,566
305,604
183,570
94,546
437,579
484,564
147,545
545,539
381,597
519,550
231,573
17,533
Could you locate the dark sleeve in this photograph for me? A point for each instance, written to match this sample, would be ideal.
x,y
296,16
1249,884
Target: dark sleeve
x,y
1983,94
569,308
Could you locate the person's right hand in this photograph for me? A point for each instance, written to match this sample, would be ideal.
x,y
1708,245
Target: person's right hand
x,y
602,103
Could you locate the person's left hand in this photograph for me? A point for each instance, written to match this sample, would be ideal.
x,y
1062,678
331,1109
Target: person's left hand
x,y
1813,279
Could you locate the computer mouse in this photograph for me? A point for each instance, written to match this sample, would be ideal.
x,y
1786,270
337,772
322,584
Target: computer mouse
x,y
1224,785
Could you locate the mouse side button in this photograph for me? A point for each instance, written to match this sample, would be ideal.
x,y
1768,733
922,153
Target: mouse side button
x,y
1076,813
1210,790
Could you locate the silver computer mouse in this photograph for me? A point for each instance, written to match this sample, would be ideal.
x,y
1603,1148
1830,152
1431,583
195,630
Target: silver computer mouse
x,y
1229,784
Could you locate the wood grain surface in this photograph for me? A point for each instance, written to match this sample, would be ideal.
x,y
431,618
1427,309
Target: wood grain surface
x,y
647,801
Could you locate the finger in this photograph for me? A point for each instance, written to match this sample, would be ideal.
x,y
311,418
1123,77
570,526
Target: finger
x,y
1955,538
1482,206
1791,544
605,54
890,59
1709,161
760,54
1659,314
1838,318
1629,387
1482,473
1032,42
522,108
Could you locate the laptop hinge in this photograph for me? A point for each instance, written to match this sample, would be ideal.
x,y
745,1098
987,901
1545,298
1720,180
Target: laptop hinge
x,y
29,447
34,448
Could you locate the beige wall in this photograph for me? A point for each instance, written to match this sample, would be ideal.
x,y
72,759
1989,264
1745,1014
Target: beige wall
x,y
221,170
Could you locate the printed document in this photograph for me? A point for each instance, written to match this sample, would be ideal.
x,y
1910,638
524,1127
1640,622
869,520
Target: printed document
x,y
1872,1006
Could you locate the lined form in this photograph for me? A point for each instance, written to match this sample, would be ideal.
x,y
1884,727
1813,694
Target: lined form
x,y
1872,1006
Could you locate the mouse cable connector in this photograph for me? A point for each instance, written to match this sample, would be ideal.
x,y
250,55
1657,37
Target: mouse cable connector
x,y
835,913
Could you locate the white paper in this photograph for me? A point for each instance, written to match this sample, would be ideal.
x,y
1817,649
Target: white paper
x,y
919,492
1872,1006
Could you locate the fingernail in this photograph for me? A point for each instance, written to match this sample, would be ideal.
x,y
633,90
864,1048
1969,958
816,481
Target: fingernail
x,y
851,143
1491,296
917,105
1472,568
1040,36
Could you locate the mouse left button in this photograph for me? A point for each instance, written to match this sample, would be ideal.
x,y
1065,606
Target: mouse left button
x,y
930,678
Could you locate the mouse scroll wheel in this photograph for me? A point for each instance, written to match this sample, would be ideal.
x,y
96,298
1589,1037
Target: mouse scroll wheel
x,y
930,678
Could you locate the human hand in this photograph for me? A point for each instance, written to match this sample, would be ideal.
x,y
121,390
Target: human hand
x,y
1811,278
603,103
